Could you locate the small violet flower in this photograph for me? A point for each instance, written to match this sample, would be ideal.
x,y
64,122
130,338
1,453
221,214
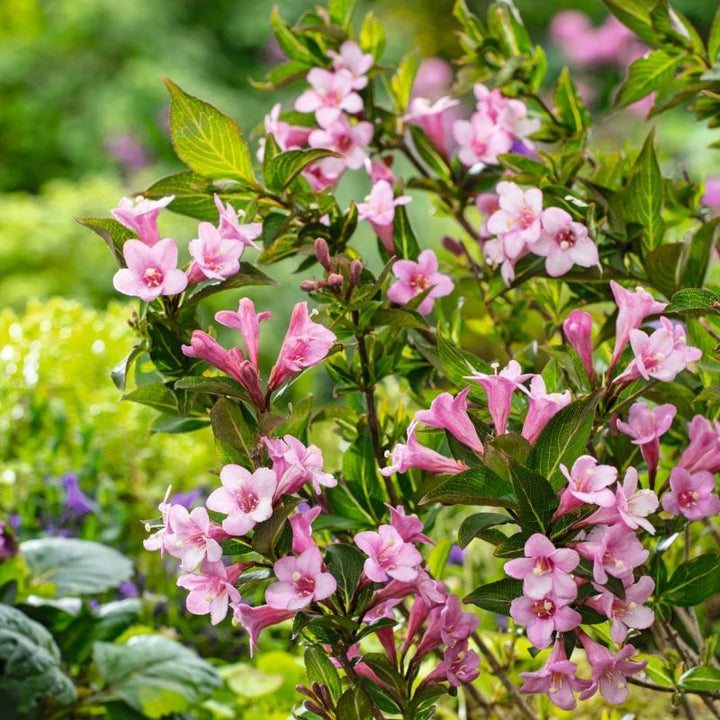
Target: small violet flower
x,y
414,278
301,581
691,494
151,270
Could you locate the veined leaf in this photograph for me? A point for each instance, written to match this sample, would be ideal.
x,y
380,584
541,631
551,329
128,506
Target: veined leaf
x,y
646,75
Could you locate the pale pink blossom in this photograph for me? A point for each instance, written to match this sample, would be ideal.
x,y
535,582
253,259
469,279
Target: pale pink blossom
x,y
577,328
588,483
432,118
322,175
380,170
542,406
434,77
301,524
347,140
301,581
461,664
432,592
288,137
231,228
414,278
151,270
645,426
614,551
480,140
712,192
214,257
246,498
408,526
156,541
379,210
140,214
211,590
518,221
543,616
255,619
247,321
389,556
545,569
329,95
354,60
488,204
295,465
564,243
703,452
190,538
691,494
631,507
625,613
415,455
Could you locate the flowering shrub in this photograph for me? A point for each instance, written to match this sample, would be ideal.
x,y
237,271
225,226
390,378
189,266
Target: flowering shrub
x,y
587,513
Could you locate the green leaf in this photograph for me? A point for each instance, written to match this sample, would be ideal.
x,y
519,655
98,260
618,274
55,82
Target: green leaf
x,y
646,75
361,473
207,141
292,44
699,249
709,395
696,301
506,26
74,567
341,11
320,670
568,105
458,364
282,169
165,350
30,662
477,486
388,674
222,386
177,425
636,15
563,440
372,36
404,240
345,562
268,534
700,678
247,275
354,705
154,675
477,525
230,425
112,232
662,266
643,195
694,581
497,596
155,395
713,43
432,157
402,81
536,499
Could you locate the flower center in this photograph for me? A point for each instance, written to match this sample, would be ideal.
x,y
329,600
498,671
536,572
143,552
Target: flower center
x,y
344,143
304,585
544,608
247,501
153,277
688,498
526,218
419,281
566,238
542,566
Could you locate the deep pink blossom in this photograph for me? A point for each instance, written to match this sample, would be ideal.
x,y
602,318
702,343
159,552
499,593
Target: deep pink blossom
x,y
295,464
614,551
543,616
691,494
305,344
629,612
301,581
190,538
564,243
301,524
645,426
354,60
545,569
542,406
247,321
459,666
347,140
587,484
518,221
246,498
211,590
389,556
433,592
450,413
432,118
703,452
231,228
415,455
408,526
255,619
151,270
214,257
414,278
140,215
330,94
379,210
456,625
577,328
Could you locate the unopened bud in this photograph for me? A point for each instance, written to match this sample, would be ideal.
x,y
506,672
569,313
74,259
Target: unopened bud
x,y
452,245
335,279
356,268
308,285
323,254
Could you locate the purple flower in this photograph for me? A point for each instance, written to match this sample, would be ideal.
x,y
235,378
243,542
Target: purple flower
x,y
76,502
8,543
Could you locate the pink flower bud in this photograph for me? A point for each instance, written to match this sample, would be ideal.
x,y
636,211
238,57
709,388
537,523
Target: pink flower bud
x,y
322,253
578,330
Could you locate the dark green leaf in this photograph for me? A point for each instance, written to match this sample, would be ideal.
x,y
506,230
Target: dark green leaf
x,y
695,300
404,240
175,426
268,533
354,705
713,44
458,364
247,275
662,265
222,386
230,425
477,486
292,43
166,350
497,596
536,499
383,668
477,525
432,157
694,581
698,251
345,562
320,670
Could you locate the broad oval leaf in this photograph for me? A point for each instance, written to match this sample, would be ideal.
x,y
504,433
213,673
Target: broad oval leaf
x,y
477,486
496,596
694,581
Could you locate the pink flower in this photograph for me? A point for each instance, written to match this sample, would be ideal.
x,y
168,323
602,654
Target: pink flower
x,y
480,140
703,452
408,526
247,321
459,666
433,78
379,210
151,270
632,506
499,388
645,427
305,344
432,118
712,192
301,524
348,140
301,581
543,616
140,215
557,679
633,308
330,94
545,570
245,498
415,455
614,551
564,243
255,619
509,113
212,590
414,278
587,484
456,625
691,494
542,406
432,592
190,538
156,541
232,229
609,672
322,175
488,204
380,171
288,137
389,556
627,613
578,332
213,256
450,414
295,465
352,59
518,221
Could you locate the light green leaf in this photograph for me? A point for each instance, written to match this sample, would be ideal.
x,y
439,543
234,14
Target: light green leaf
x,y
155,395
646,75
282,169
700,678
341,11
570,108
695,300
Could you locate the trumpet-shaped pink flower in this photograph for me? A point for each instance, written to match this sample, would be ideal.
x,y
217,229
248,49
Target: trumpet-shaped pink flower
x,y
614,551
211,590
499,388
415,455
301,581
345,139
151,270
691,494
459,666
380,171
329,95
213,256
379,210
703,452
480,140
301,524
245,498
631,507
450,413
140,215
633,308
432,592
518,221
542,406
255,619
545,569
354,60
587,484
645,426
288,137
456,626
578,332
628,613
294,464
232,229
543,616
609,672
389,556
409,526
564,243
414,278
432,118
156,541
487,204
247,321
509,113
557,679
305,344
190,539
